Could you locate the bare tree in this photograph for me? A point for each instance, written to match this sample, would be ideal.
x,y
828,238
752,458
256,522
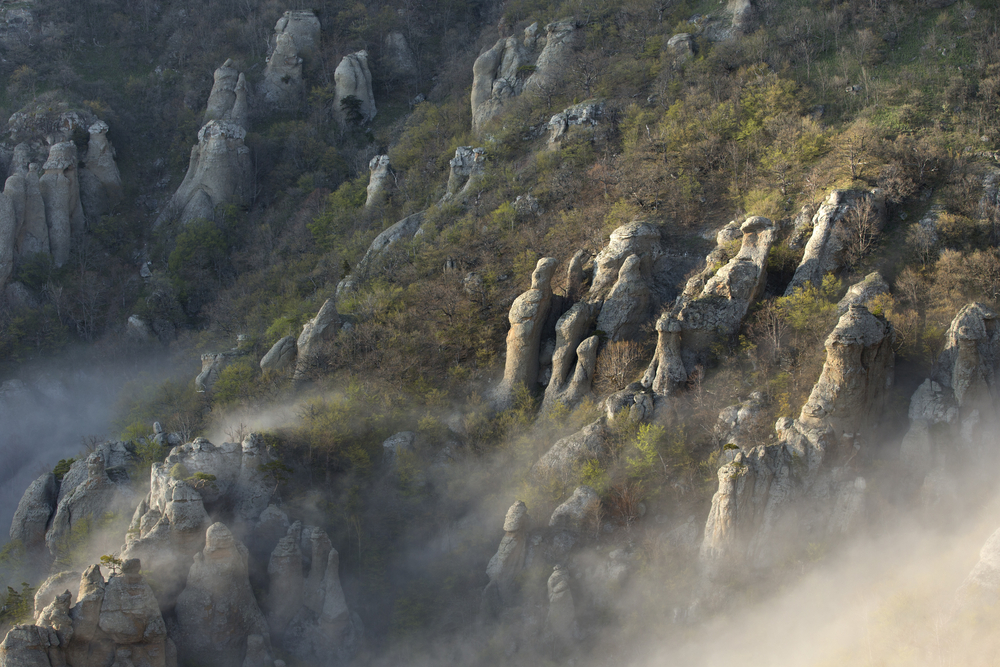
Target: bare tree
x,y
861,228
617,365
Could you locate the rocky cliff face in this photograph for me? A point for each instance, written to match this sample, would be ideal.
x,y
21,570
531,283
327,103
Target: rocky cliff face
x,y
296,35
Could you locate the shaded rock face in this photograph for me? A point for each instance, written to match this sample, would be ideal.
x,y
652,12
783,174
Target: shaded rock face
x,y
8,237
508,561
377,181
831,230
129,612
354,80
295,34
303,26
315,334
861,293
22,188
465,170
527,317
285,580
281,355
805,480
398,55
578,512
737,424
228,99
561,617
562,461
217,611
100,182
713,303
584,114
953,414
218,173
211,366
52,587
31,519
60,189
512,66
381,252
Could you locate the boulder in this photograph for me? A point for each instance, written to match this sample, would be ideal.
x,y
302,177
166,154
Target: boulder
x,y
30,646
561,463
584,114
861,293
217,611
527,316
380,252
466,168
36,507
682,46
379,169
577,512
55,616
315,334
59,187
508,561
354,80
211,365
398,56
824,252
218,173
281,356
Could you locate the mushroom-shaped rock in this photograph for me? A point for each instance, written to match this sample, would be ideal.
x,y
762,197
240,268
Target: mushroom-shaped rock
x,y
315,334
217,611
281,356
60,190
86,613
353,99
527,317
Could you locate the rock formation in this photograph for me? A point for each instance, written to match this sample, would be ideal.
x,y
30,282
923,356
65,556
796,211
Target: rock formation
x,y
228,99
398,55
100,182
380,252
508,561
218,173
315,334
281,356
512,66
466,168
527,317
832,230
8,237
584,114
296,34
861,293
23,190
578,512
562,461
354,82
216,612
285,581
561,617
714,302
809,469
31,519
60,190
737,423
211,366
981,588
377,182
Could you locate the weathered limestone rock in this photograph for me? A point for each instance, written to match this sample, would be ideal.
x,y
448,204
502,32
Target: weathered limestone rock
x,y
253,488
743,12
634,403
712,303
496,77
281,356
282,85
561,618
31,519
577,512
90,500
527,317
319,555
508,561
379,168
560,40
862,292
100,182
315,333
466,169
55,616
130,614
60,190
398,55
228,99
86,613
737,422
396,444
8,237
572,368
52,587
217,611
29,646
285,580
211,366
824,252
584,114
117,457
682,45
23,190
634,238
627,305
354,80
560,463
257,654
218,173
380,252
303,26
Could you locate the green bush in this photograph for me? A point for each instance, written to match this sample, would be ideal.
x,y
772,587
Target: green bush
x,y
62,468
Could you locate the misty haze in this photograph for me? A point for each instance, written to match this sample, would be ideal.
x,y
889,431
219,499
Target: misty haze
x,y
643,332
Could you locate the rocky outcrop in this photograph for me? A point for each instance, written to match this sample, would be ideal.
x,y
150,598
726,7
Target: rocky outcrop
x,y
508,561
585,114
744,14
295,34
54,585
285,581
281,356
60,190
218,173
398,55
316,333
805,482
572,369
561,618
713,303
466,168
303,26
627,305
512,66
211,365
737,424
130,617
354,82
228,99
31,519
861,293
527,317
24,192
380,252
561,463
577,512
30,646
377,181
8,237
217,612
100,182
831,231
